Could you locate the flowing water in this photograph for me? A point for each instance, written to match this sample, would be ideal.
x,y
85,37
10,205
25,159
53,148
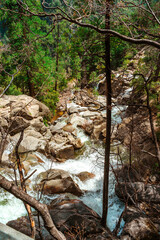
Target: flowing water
x,y
92,161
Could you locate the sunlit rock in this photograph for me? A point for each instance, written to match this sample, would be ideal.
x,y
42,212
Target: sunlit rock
x,y
56,181
84,176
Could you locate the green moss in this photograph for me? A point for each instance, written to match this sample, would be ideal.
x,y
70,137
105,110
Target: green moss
x,y
4,202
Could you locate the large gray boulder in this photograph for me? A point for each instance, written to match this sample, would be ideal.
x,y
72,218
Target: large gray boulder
x,y
23,106
61,151
32,141
77,120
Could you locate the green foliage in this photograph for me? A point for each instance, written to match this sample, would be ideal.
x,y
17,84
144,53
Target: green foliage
x,y
45,121
49,97
67,52
118,51
95,92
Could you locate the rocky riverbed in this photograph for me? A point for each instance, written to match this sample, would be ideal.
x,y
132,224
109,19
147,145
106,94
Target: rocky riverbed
x,y
67,155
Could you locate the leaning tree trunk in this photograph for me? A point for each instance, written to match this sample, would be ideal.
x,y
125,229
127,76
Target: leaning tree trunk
x,y
108,122
41,208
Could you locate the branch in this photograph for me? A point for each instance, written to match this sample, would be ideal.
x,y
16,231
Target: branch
x,y
152,12
66,17
13,76
116,34
151,154
42,208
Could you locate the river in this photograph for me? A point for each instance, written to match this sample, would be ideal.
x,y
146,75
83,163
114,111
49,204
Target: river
x,y
92,161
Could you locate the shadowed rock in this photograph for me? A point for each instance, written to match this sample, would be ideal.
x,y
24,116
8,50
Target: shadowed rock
x,y
72,217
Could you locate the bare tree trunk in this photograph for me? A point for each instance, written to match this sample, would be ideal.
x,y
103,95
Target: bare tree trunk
x,y
2,142
42,208
84,79
131,138
30,85
57,58
108,122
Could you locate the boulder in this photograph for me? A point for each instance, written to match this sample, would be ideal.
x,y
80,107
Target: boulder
x,y
17,125
61,137
138,191
72,217
138,226
127,174
23,106
55,181
31,132
77,120
88,127
72,109
32,141
4,103
3,122
104,114
88,114
40,110
38,125
57,128
5,113
75,109
34,110
76,142
82,109
47,135
5,161
32,144
60,150
69,128
98,131
21,111
76,220
84,176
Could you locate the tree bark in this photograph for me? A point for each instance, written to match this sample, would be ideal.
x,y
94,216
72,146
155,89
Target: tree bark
x,y
108,122
42,208
30,84
57,58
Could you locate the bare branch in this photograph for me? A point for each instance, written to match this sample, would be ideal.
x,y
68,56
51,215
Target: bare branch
x,y
152,12
13,76
66,17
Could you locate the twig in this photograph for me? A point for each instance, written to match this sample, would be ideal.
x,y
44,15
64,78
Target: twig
x,y
25,179
27,206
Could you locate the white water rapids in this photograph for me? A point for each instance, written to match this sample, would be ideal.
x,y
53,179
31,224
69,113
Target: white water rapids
x,y
91,161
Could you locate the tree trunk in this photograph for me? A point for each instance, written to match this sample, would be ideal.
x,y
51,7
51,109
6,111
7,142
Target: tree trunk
x,y
108,122
84,79
30,85
57,59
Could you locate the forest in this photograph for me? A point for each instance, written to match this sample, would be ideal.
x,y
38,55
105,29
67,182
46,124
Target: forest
x,y
80,119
